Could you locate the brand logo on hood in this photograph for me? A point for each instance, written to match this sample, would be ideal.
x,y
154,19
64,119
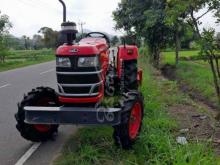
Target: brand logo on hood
x,y
74,50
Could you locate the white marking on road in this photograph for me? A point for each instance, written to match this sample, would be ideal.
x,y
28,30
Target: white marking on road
x,y
28,154
51,70
6,85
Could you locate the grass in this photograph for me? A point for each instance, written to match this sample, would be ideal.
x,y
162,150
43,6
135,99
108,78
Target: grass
x,y
18,59
156,144
169,57
196,75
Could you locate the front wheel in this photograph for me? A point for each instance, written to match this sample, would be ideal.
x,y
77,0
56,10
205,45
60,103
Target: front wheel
x,y
36,132
128,131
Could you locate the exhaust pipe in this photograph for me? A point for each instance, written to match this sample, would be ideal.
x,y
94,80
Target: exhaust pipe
x,y
64,10
68,29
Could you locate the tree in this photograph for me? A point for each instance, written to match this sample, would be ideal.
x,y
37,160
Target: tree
x,y
218,40
50,37
178,12
115,40
5,25
24,38
208,49
13,42
146,19
187,9
37,41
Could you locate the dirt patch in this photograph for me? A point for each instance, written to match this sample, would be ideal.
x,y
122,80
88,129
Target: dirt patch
x,y
169,71
200,126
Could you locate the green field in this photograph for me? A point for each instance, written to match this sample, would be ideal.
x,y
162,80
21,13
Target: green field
x,y
156,145
21,58
196,75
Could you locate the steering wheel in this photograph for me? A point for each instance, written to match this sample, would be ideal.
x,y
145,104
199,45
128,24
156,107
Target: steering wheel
x,y
99,35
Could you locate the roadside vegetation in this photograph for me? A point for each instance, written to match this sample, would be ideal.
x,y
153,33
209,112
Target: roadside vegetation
x,y
194,76
16,52
173,25
157,142
16,59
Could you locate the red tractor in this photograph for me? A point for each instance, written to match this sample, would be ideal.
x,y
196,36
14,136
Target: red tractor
x,y
85,75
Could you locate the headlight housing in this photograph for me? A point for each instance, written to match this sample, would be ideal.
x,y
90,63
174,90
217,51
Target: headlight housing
x,y
88,62
63,62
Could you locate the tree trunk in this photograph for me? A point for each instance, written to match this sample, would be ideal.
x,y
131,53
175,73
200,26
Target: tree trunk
x,y
177,44
156,56
3,59
217,66
215,77
195,23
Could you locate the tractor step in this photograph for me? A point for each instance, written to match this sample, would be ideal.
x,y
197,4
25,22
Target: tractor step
x,y
72,115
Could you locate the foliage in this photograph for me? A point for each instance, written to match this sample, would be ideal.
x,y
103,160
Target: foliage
x,y
115,40
165,22
50,37
37,42
3,52
16,59
131,39
194,45
209,48
146,19
208,43
218,40
5,25
186,11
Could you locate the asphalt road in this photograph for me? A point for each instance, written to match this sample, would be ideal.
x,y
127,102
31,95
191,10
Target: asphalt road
x,y
13,85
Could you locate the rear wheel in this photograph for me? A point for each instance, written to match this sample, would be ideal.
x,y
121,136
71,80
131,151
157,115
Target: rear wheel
x,y
39,132
130,81
127,132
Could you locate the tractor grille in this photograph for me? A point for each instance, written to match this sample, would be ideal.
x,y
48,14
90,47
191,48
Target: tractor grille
x,y
78,82
76,90
79,90
78,79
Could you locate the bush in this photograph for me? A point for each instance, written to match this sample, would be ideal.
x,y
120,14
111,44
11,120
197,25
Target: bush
x,y
194,45
3,54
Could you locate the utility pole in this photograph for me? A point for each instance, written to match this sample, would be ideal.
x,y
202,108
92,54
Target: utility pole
x,y
81,26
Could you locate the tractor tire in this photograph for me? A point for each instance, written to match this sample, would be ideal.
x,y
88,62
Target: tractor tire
x,y
128,131
37,97
130,75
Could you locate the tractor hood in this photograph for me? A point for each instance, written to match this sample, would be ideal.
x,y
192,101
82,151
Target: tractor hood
x,y
87,46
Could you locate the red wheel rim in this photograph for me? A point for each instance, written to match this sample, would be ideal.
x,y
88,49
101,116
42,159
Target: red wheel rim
x,y
42,127
135,120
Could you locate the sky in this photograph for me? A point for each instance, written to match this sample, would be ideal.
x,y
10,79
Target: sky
x,y
28,16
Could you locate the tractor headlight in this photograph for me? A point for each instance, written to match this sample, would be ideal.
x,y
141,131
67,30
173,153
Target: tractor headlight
x,y
88,62
63,62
